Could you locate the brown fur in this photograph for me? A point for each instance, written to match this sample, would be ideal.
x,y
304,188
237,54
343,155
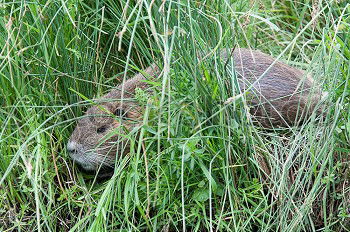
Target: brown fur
x,y
282,96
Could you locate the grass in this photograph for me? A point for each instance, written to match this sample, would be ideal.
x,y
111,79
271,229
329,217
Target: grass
x,y
204,165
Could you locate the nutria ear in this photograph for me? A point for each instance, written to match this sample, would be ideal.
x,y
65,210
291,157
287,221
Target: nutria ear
x,y
138,81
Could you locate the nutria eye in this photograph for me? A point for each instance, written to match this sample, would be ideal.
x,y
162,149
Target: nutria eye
x,y
120,113
101,129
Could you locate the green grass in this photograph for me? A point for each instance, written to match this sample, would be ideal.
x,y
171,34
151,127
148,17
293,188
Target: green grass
x,y
203,164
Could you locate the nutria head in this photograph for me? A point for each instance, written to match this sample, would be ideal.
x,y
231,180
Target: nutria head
x,y
100,135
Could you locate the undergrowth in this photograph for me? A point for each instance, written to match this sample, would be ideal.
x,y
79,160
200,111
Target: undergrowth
x,y
205,165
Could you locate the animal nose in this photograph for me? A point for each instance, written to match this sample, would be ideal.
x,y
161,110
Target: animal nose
x,y
72,147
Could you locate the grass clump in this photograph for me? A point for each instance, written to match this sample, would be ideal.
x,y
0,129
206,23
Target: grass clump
x,y
203,164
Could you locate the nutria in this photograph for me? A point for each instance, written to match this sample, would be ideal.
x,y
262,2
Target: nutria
x,y
281,96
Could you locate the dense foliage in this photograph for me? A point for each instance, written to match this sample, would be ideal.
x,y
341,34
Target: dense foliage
x,y
204,165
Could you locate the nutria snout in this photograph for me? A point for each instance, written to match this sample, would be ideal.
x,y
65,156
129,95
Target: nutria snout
x,y
277,94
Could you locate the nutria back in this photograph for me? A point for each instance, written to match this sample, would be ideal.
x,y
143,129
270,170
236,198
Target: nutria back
x,y
277,95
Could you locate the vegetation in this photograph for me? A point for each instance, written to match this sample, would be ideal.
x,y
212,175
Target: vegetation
x,y
203,165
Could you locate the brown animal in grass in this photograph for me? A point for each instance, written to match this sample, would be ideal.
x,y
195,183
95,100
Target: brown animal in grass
x,y
280,96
